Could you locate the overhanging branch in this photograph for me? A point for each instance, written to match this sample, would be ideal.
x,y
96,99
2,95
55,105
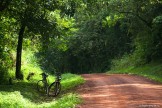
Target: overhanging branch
x,y
136,15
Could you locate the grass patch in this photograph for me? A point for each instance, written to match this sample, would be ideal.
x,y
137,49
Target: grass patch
x,y
16,100
24,94
70,81
152,71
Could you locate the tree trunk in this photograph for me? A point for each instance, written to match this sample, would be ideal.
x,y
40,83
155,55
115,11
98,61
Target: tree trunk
x,y
18,73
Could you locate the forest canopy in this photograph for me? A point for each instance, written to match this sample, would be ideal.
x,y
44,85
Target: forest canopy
x,y
79,36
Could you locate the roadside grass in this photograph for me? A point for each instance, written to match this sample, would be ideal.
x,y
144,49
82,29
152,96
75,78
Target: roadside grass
x,y
24,94
16,100
71,81
152,71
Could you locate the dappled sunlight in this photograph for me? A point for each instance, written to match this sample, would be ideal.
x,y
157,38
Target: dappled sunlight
x,y
24,94
145,86
95,96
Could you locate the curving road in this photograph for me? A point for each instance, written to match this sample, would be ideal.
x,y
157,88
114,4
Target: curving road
x,y
119,91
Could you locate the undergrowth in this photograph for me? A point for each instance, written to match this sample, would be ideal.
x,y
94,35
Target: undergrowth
x,y
23,94
152,71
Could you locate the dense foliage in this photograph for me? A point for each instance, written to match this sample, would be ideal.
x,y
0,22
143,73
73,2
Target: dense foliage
x,y
80,36
107,30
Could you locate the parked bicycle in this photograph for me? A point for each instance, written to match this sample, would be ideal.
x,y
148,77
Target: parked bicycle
x,y
42,85
55,88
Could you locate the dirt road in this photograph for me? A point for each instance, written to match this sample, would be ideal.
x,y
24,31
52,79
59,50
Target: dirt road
x,y
119,91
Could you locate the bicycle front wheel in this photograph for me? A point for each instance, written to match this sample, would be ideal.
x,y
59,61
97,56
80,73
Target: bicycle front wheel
x,y
54,89
41,87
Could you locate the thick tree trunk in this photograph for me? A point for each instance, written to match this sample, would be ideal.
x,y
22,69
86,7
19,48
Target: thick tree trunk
x,y
18,73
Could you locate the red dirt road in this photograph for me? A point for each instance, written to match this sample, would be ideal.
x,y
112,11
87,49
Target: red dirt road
x,y
119,91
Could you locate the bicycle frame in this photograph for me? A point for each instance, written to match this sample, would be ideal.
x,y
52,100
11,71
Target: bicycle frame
x,y
55,88
42,85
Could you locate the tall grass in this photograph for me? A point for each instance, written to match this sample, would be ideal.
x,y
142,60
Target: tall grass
x,y
124,62
16,100
23,94
152,70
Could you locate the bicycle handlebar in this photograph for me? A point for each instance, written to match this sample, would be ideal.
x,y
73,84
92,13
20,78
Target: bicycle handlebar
x,y
44,75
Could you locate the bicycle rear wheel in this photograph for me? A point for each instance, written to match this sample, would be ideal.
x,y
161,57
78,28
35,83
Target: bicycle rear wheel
x,y
41,87
54,89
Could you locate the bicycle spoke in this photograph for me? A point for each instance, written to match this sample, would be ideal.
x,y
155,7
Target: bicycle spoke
x,y
54,89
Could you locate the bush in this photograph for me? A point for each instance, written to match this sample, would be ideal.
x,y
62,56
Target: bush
x,y
124,62
5,64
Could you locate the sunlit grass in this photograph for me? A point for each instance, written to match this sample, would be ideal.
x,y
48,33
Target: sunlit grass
x,y
24,94
16,100
71,81
152,71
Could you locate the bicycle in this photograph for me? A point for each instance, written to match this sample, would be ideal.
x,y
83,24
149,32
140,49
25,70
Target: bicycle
x,y
55,88
42,85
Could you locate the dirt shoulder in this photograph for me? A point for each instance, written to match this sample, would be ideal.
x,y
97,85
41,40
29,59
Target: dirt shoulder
x,y
119,91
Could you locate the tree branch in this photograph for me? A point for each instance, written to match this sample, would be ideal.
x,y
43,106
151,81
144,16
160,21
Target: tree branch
x,y
136,15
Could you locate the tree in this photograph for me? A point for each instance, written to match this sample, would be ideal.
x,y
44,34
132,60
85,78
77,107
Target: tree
x,y
18,73
32,16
